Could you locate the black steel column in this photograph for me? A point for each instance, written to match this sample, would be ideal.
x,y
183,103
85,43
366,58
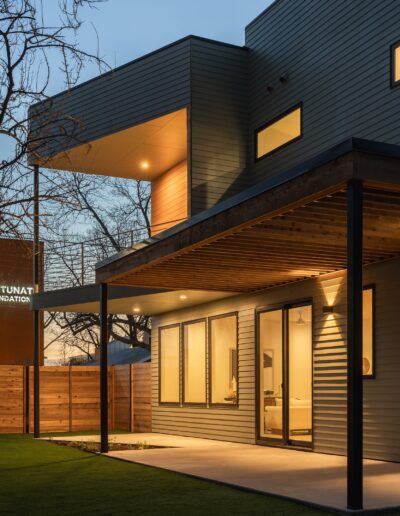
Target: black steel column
x,y
103,368
36,313
354,346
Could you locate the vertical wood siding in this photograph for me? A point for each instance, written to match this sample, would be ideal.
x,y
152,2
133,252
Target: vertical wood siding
x,y
382,394
337,57
169,198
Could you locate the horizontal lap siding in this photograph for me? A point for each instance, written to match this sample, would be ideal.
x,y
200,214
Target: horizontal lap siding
x,y
230,424
134,93
122,394
142,397
12,399
219,118
337,58
381,395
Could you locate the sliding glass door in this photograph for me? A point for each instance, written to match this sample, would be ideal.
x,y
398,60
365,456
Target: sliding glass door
x,y
285,374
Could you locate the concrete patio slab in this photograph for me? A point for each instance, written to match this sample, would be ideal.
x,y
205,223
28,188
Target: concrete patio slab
x,y
309,477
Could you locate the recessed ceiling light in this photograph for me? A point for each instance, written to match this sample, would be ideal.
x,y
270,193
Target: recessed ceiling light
x,y
136,309
144,165
183,296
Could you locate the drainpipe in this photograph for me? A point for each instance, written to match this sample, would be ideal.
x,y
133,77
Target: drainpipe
x,y
354,346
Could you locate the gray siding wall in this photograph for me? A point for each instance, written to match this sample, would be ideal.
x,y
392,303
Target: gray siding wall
x,y
136,92
382,394
337,56
219,122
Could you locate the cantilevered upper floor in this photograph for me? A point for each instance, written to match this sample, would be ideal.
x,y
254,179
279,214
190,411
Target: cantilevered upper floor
x,y
176,117
204,120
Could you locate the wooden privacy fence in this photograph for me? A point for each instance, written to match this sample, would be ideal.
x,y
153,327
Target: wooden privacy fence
x,y
70,398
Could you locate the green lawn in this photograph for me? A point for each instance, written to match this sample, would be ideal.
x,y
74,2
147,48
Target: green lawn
x,y
40,478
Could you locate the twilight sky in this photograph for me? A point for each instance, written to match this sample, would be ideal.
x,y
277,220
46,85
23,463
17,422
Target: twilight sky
x,y
127,29
130,28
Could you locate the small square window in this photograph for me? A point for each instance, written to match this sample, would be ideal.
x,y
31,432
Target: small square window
x,y
395,64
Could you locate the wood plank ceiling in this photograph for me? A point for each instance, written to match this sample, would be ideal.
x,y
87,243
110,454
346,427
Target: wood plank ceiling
x,y
302,243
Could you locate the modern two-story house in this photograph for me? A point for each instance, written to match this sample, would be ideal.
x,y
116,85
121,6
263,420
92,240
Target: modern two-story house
x,y
273,270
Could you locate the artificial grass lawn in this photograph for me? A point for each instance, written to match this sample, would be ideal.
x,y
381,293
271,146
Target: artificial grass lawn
x,y
41,478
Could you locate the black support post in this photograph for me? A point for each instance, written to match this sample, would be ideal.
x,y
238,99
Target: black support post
x,y
103,368
36,313
354,346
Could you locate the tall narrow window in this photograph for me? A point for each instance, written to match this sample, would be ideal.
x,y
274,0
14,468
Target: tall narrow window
x,y
224,360
274,135
395,64
169,364
368,366
194,362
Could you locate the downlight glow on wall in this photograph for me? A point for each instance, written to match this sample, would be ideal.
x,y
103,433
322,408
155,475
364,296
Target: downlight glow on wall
x,y
14,294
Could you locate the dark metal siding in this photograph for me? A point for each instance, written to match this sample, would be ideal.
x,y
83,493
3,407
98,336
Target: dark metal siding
x,y
141,90
337,56
219,118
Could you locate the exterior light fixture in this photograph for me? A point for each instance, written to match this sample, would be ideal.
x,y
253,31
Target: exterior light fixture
x,y
328,309
183,297
144,165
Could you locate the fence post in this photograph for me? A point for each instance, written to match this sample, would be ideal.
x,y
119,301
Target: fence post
x,y
132,396
70,397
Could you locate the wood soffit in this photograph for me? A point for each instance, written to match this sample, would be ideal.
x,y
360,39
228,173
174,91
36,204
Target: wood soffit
x,y
290,233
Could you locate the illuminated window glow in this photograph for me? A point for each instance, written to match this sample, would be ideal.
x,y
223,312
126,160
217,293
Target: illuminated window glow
x,y
395,59
169,364
276,134
368,333
194,353
224,360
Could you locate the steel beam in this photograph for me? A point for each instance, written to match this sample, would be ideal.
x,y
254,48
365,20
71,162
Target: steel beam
x,y
103,367
36,313
354,346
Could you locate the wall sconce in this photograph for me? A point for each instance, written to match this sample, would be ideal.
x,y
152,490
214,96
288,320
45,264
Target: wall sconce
x,y
328,309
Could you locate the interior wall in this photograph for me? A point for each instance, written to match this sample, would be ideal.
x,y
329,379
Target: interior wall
x,y
169,198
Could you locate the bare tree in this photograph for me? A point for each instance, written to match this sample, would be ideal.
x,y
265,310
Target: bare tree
x,y
32,51
116,215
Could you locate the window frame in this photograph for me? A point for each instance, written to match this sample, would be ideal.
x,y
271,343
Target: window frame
x,y
170,403
393,47
299,105
188,323
210,402
373,289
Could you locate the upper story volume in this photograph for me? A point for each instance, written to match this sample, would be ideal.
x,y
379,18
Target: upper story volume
x,y
204,120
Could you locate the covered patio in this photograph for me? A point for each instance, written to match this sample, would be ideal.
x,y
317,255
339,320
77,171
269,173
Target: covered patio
x,y
338,211
314,478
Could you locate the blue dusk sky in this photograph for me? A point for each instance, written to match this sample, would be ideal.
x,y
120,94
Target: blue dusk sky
x,y
127,29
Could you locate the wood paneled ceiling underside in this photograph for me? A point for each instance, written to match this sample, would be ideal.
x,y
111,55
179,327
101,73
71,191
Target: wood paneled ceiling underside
x,y
302,243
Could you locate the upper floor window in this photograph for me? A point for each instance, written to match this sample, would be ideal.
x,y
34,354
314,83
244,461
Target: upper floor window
x,y
395,64
279,132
